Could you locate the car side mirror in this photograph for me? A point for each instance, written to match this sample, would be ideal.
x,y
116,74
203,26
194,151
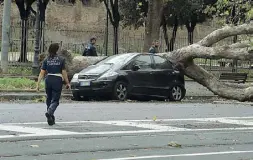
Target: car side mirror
x,y
136,68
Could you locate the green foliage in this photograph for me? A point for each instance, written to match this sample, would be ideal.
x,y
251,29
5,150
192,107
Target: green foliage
x,y
186,11
251,42
133,13
17,83
234,11
250,14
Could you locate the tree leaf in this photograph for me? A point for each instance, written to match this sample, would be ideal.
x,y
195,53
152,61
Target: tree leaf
x,y
174,144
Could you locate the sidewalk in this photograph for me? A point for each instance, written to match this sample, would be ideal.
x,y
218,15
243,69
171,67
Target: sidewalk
x,y
193,91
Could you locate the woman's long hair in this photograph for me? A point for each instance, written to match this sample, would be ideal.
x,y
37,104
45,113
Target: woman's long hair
x,y
52,50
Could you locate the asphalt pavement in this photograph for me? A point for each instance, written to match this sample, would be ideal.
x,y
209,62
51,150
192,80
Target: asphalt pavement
x,y
127,131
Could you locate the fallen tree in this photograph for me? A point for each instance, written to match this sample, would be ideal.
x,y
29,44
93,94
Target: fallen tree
x,y
184,60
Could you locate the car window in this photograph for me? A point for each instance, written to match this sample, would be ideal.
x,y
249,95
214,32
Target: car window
x,y
162,63
143,61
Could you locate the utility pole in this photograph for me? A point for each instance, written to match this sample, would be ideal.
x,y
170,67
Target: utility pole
x,y
35,65
5,35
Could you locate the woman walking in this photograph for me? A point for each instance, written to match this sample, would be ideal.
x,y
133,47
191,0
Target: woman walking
x,y
53,67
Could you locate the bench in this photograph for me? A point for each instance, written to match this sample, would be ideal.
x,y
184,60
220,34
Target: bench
x,y
236,77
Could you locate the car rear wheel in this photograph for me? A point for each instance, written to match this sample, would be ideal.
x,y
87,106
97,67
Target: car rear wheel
x,y
176,93
120,91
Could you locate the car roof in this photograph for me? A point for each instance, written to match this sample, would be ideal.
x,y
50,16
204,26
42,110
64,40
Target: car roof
x,y
136,53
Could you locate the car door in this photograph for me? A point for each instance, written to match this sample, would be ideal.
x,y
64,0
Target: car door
x,y
140,79
164,76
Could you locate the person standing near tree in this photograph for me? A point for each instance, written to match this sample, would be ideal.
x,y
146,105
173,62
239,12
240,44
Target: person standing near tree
x,y
155,47
54,71
91,50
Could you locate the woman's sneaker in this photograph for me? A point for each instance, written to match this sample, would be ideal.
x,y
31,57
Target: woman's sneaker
x,y
50,120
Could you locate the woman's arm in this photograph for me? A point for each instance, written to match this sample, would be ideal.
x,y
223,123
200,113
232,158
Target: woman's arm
x,y
65,77
42,75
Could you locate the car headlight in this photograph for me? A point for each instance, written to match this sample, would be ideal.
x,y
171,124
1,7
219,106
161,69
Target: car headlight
x,y
108,76
75,78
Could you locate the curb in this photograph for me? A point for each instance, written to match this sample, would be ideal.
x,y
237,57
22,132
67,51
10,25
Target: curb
x,y
28,96
29,91
41,96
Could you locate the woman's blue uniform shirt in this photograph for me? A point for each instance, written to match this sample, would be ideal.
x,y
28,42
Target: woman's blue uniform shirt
x,y
53,65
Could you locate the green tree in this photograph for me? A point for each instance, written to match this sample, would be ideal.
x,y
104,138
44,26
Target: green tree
x,y
232,11
139,13
194,13
133,13
173,13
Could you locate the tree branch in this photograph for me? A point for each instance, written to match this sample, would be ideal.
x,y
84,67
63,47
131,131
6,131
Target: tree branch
x,y
229,52
244,44
225,32
115,12
109,12
240,92
183,60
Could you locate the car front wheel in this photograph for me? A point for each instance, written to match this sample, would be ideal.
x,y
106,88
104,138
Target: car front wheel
x,y
76,96
120,91
176,93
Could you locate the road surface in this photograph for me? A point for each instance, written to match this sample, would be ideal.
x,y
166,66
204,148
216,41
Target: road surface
x,y
127,131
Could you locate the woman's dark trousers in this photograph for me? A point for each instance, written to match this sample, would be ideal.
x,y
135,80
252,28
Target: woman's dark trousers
x,y
53,91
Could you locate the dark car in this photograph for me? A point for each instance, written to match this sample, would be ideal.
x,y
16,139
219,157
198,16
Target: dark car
x,y
130,74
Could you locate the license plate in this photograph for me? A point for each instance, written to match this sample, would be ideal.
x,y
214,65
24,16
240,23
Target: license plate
x,y
85,83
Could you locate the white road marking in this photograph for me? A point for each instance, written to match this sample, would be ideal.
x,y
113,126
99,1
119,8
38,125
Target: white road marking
x,y
223,129
146,120
150,126
142,125
181,155
78,133
232,121
117,132
37,131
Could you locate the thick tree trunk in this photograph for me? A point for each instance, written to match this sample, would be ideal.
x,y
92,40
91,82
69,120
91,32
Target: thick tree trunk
x,y
115,40
24,36
173,38
114,17
225,90
190,28
35,65
190,37
152,27
165,34
80,62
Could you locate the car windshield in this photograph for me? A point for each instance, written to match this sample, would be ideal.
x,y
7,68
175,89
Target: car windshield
x,y
98,69
116,59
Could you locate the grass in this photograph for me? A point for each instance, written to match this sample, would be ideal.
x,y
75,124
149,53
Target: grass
x,y
18,84
20,70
